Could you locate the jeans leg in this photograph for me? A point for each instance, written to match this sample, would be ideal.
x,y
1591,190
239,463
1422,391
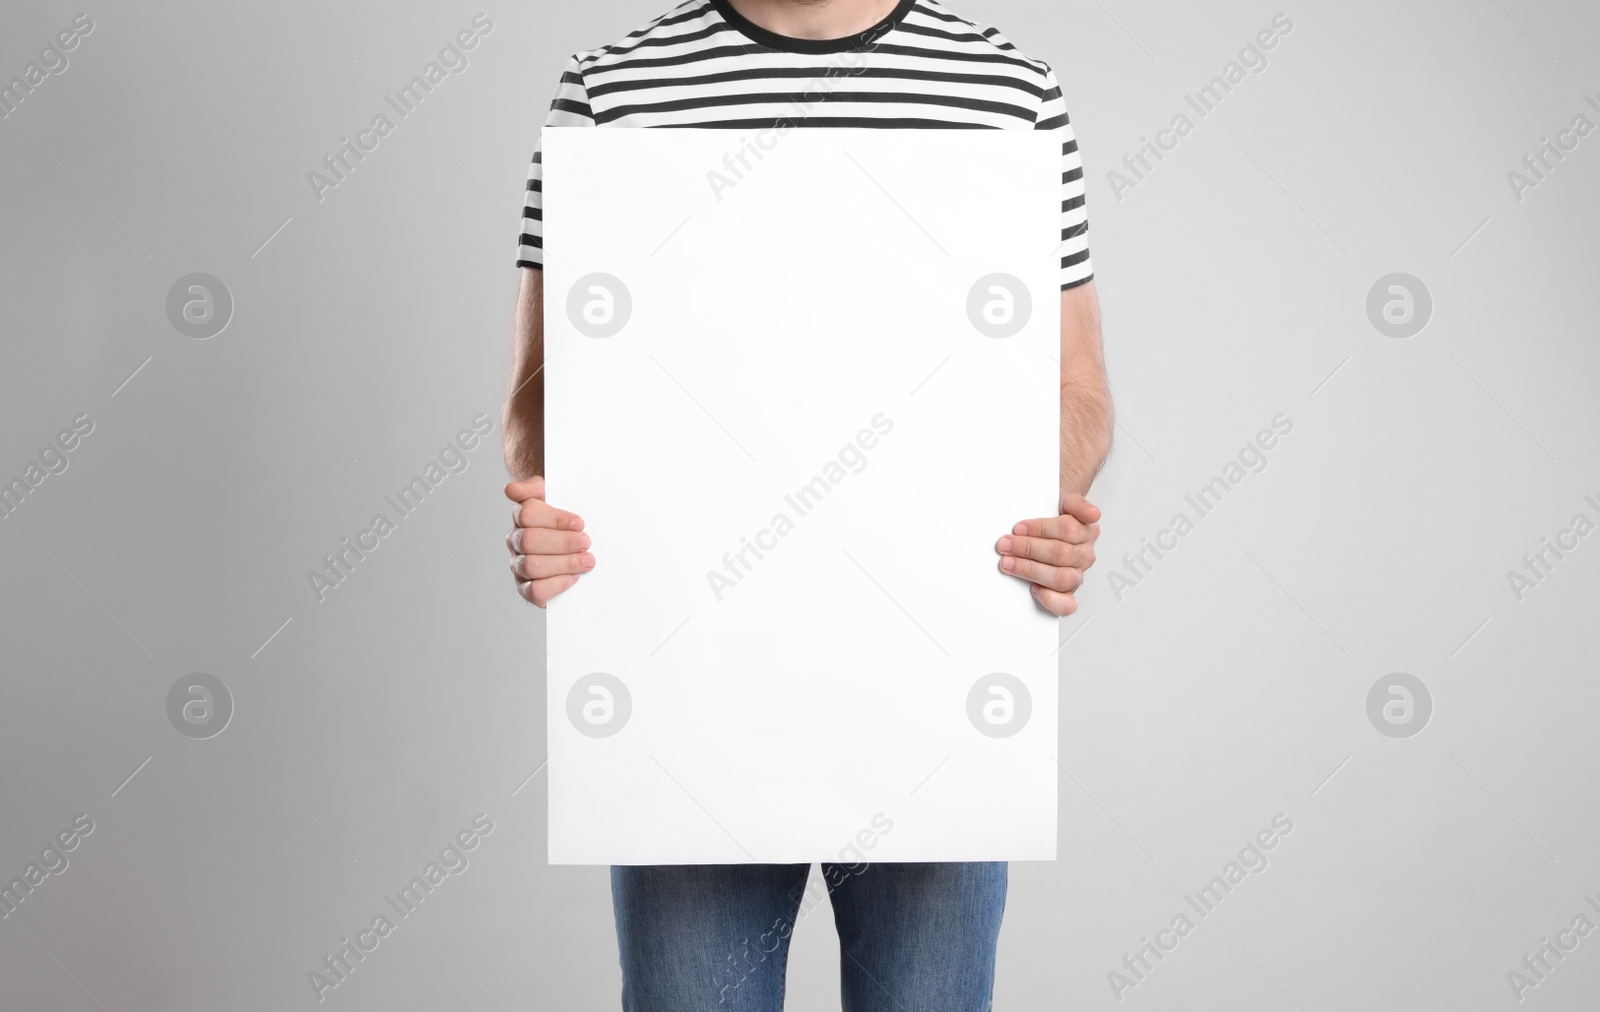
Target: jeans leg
x,y
918,937
705,938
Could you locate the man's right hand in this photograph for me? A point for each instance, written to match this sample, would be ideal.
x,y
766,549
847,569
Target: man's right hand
x,y
547,545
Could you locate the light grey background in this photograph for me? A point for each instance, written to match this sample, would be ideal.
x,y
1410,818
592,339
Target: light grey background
x,y
1228,686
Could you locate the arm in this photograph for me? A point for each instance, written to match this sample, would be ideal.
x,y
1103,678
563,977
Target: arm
x,y
522,419
1051,553
1085,397
548,546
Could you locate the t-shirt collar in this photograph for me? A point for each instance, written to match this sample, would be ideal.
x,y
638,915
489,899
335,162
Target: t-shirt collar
x,y
772,40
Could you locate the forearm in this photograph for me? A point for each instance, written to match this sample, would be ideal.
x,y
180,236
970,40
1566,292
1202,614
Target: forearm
x,y
1086,411
1085,435
522,418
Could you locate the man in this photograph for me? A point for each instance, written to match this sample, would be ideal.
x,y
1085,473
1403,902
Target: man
x,y
913,936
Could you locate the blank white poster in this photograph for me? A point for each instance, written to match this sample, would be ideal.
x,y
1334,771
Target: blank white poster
x,y
798,386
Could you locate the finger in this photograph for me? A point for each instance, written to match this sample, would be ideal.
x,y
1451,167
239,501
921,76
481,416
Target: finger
x,y
543,541
1055,602
1082,509
531,488
1062,578
1047,550
1062,528
540,567
536,513
540,592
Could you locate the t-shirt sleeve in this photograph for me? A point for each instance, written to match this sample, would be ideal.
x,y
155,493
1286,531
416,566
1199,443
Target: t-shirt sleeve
x,y
1075,266
570,107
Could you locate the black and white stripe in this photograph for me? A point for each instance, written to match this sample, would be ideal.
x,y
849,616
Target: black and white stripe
x,y
702,64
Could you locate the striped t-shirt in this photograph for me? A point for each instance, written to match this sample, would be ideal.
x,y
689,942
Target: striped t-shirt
x,y
703,64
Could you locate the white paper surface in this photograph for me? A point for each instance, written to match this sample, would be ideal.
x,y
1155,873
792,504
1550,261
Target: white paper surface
x,y
815,704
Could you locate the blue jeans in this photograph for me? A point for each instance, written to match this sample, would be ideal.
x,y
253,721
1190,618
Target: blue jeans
x,y
715,938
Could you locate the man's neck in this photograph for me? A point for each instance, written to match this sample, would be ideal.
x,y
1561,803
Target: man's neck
x,y
815,19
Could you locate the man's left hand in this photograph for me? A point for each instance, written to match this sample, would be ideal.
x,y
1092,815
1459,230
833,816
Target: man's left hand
x,y
1051,553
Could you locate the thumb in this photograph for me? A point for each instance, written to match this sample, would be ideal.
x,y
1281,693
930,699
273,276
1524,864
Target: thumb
x,y
1079,508
531,488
